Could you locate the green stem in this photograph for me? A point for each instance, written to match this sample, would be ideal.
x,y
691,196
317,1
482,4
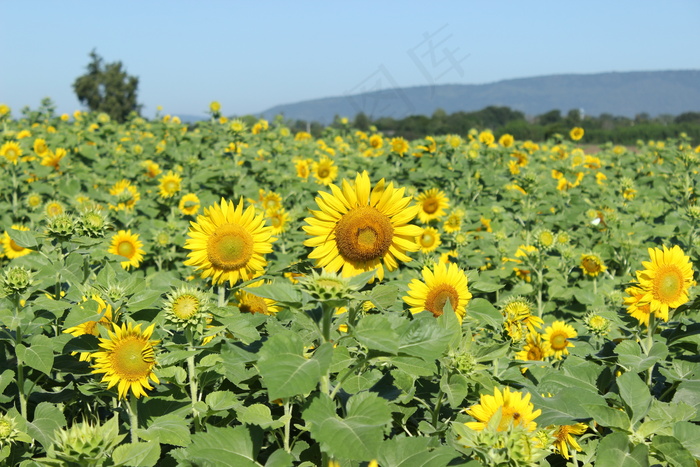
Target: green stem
x,y
438,406
651,329
222,295
350,371
540,306
133,410
287,424
326,320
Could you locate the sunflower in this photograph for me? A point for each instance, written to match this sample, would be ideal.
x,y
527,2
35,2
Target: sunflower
x,y
362,229
127,360
325,171
592,265
535,349
189,204
169,184
249,303
506,140
152,168
104,318
441,284
303,168
228,243
278,220
186,306
453,223
428,240
557,336
376,141
53,158
40,147
432,205
640,311
11,249
128,245
576,133
53,208
127,195
516,409
270,200
399,145
563,439
11,151
665,280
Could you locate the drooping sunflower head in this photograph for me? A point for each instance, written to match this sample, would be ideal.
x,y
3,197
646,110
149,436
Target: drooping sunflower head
x,y
666,280
429,240
127,245
228,243
186,306
557,336
592,264
169,184
358,228
432,205
250,303
440,284
127,359
516,409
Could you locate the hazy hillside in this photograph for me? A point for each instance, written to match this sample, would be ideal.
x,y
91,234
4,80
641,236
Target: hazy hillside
x,y
624,94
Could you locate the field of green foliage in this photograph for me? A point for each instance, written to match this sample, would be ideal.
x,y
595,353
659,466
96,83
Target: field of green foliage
x,y
233,293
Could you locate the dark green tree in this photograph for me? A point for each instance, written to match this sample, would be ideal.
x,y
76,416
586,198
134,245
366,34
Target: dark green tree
x,y
107,88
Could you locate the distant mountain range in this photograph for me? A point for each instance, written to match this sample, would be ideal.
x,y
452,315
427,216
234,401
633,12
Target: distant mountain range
x,y
621,94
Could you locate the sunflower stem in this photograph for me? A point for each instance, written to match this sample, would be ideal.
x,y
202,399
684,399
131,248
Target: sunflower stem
x,y
20,366
438,406
651,329
133,410
222,295
287,424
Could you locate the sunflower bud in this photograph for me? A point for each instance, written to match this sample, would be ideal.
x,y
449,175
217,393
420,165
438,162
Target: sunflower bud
x,y
544,238
61,226
92,224
9,433
186,306
86,444
327,286
596,324
16,279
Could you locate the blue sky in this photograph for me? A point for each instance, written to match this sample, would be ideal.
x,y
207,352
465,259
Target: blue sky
x,y
253,55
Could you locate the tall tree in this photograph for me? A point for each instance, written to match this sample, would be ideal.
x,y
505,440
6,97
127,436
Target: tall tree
x,y
107,88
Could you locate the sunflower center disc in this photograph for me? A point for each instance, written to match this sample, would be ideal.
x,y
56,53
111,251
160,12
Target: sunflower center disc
x,y
364,234
230,247
185,307
558,341
535,353
128,360
438,297
171,187
427,240
253,304
430,206
323,172
126,249
591,265
670,284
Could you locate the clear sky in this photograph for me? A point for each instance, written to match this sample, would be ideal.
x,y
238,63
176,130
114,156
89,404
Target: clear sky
x,y
253,55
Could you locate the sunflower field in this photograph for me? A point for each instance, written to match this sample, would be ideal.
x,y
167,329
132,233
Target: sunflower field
x,y
232,293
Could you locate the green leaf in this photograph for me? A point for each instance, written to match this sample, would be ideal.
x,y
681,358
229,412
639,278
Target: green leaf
x,y
630,355
39,354
7,377
258,414
609,417
168,429
565,407
688,434
414,452
221,400
688,392
137,454
222,447
635,394
47,419
484,313
280,458
673,451
23,238
383,296
375,333
282,292
284,369
614,451
359,435
455,388
423,337
414,366
241,325
485,286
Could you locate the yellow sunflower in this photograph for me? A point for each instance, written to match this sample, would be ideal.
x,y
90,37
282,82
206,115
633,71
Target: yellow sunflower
x,y
53,158
11,249
104,318
228,243
325,171
432,205
249,303
53,208
278,220
169,184
40,146
443,283
127,195
563,439
557,336
270,200
592,265
11,151
453,223
127,360
640,311
535,349
576,133
665,280
189,204
399,145
128,245
152,168
186,306
428,240
303,168
362,229
516,409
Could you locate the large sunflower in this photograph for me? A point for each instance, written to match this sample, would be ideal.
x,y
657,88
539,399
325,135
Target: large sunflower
x,y
666,280
127,245
228,243
11,151
11,249
128,359
441,284
432,205
516,409
362,229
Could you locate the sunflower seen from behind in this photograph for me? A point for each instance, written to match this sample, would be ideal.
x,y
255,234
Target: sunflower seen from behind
x,y
359,228
228,243
442,283
127,359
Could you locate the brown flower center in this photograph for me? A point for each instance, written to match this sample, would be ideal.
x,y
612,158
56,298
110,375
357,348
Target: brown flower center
x,y
363,234
438,297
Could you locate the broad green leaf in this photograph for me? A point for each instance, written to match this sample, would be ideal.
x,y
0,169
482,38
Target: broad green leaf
x,y
7,377
614,451
280,458
414,452
631,358
688,392
609,417
258,414
39,354
221,400
168,429
635,394
384,295
358,435
414,366
24,238
175,356
484,313
137,454
673,451
55,307
284,369
47,419
82,313
282,292
375,333
222,447
565,406
423,338
688,434
241,325
455,388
